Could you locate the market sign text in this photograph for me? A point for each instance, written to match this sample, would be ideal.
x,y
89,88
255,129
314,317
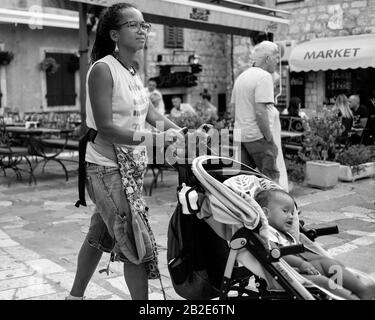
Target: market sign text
x,y
338,53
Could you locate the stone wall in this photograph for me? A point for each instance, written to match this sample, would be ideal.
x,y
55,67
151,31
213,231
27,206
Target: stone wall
x,y
311,19
24,79
212,50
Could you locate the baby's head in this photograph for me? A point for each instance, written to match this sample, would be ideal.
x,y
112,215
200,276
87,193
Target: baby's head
x,y
278,206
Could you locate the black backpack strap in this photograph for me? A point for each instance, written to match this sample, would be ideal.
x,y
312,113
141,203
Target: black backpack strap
x,y
89,136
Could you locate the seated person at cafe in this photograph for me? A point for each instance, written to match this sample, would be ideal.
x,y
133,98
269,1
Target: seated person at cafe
x,y
294,108
179,108
360,111
342,106
155,95
370,102
204,108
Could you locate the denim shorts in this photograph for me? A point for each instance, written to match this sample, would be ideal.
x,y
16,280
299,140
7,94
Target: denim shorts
x,y
263,155
104,187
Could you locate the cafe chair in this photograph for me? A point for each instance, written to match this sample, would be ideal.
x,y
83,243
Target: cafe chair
x,y
12,155
368,134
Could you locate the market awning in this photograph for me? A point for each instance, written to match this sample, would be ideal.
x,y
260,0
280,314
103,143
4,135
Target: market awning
x,y
349,52
222,16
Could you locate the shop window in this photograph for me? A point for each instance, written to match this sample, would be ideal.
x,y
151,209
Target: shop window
x,y
61,84
338,82
222,103
173,37
297,86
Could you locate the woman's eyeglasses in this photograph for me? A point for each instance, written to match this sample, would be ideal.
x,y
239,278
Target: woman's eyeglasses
x,y
136,26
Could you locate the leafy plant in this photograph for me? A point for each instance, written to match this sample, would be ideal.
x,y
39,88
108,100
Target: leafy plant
x,y
204,112
320,137
49,65
224,122
187,119
6,57
295,170
356,155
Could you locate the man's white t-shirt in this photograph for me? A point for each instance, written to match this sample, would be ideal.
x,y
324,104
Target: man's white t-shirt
x,y
184,108
254,85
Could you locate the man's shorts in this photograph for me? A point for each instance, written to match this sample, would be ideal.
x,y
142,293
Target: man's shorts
x,y
263,155
104,187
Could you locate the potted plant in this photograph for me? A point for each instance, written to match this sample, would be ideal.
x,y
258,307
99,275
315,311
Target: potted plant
x,y
6,57
49,65
320,149
356,162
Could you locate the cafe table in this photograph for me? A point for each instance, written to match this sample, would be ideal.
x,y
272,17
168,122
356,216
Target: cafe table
x,y
290,134
34,137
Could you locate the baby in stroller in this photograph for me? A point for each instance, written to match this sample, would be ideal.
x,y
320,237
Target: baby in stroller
x,y
279,208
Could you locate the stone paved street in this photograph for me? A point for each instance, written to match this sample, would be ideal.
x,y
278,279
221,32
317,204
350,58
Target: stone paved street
x,y
41,232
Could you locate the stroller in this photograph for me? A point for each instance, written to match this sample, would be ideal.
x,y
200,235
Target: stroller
x,y
217,248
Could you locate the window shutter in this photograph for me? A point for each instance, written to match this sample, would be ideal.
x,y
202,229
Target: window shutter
x,y
173,37
61,85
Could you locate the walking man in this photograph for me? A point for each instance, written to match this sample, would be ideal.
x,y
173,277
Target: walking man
x,y
252,94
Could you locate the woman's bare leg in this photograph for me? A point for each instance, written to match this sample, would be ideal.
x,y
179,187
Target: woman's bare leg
x,y
137,281
88,260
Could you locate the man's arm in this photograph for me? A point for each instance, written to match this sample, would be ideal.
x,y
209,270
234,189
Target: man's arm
x,y
263,120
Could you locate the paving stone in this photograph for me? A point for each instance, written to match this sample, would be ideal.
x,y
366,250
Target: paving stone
x,y
34,291
64,280
44,266
8,294
19,252
156,296
14,225
11,265
4,243
5,219
94,291
343,249
21,233
361,258
4,203
357,210
3,235
322,216
115,297
53,296
119,283
20,282
329,241
16,273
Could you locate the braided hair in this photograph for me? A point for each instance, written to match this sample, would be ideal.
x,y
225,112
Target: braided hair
x,y
110,19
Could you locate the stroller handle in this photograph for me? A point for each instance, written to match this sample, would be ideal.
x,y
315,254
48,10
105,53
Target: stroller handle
x,y
326,231
312,234
277,253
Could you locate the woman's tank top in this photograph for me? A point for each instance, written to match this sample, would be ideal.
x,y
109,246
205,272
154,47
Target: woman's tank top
x,y
129,105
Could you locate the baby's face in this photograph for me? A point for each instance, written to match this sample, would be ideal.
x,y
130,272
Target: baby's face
x,y
281,208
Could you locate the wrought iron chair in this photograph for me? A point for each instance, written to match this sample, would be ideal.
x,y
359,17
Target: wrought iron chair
x,y
11,155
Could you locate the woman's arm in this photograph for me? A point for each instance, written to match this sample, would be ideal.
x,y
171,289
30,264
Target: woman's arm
x,y
100,85
158,120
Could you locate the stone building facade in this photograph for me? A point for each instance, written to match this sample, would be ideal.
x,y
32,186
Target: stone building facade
x,y
311,19
222,56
